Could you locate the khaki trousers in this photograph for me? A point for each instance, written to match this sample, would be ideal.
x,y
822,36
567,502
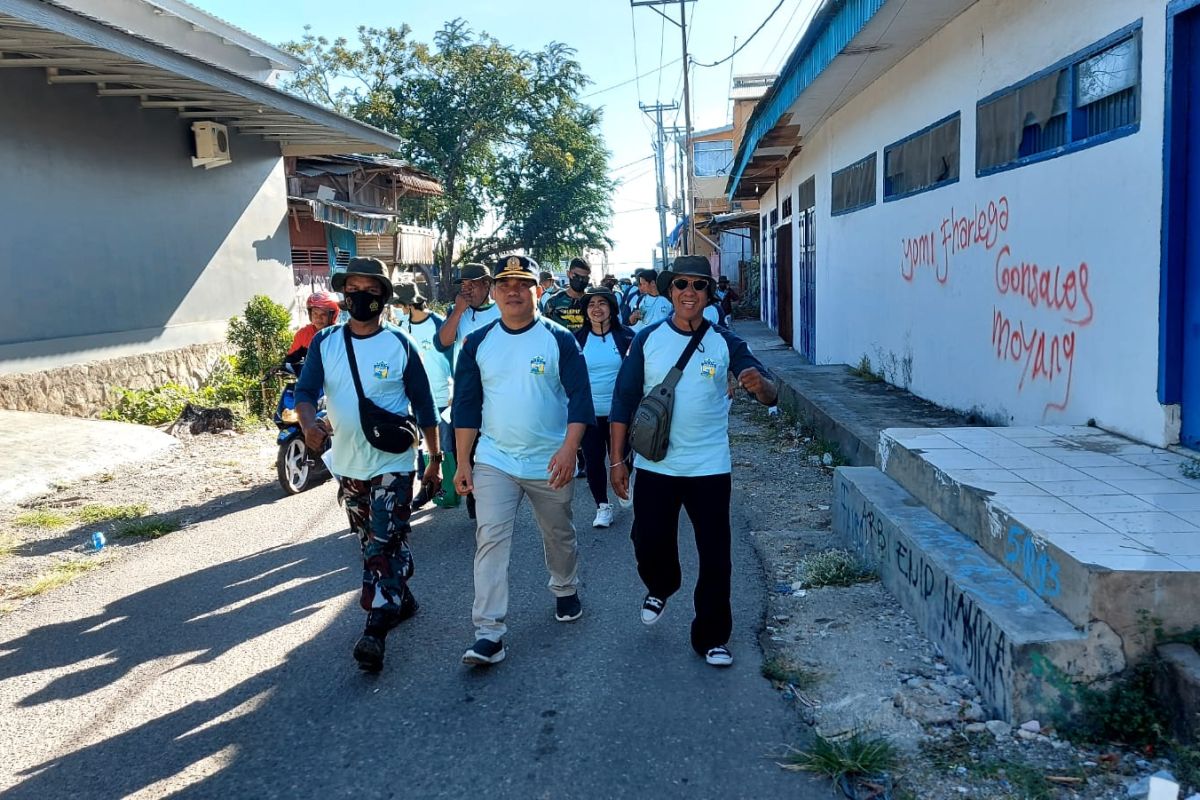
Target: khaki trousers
x,y
497,497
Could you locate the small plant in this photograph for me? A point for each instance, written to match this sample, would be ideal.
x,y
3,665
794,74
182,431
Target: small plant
x,y
159,406
784,670
59,575
860,755
94,513
1127,712
836,567
42,518
8,543
260,337
1190,469
148,529
863,370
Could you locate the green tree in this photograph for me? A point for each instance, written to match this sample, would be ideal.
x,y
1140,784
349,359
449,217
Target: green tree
x,y
501,129
260,338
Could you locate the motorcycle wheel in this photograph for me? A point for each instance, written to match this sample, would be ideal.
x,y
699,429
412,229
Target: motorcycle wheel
x,y
296,473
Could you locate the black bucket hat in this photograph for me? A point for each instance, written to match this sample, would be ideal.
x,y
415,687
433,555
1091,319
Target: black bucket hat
x,y
371,267
473,272
407,294
691,266
601,291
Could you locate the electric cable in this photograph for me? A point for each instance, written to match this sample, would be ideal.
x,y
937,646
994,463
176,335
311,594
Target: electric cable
x,y
645,74
743,44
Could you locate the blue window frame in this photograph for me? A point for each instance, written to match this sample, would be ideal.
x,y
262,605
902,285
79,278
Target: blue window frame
x,y
853,187
925,160
1091,97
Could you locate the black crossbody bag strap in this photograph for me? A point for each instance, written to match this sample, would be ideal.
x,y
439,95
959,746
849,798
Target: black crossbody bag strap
x,y
353,363
677,371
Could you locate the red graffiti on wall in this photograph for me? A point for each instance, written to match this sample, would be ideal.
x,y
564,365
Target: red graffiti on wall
x,y
956,234
1042,286
1043,354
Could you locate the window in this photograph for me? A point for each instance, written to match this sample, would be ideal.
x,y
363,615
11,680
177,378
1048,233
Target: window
x,y
774,217
712,159
925,160
787,207
854,186
1088,98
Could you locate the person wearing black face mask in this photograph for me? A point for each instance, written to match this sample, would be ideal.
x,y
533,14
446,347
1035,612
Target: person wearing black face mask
x,y
375,485
566,306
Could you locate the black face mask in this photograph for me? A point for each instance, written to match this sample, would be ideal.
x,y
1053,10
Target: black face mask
x,y
364,306
579,282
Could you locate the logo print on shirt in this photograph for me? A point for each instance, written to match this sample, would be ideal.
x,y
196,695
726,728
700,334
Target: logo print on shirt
x,y
537,365
381,370
708,368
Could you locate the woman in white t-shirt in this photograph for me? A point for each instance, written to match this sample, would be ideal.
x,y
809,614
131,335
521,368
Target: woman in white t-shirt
x,y
605,342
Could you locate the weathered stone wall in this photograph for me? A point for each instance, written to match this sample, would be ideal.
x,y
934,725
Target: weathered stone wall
x,y
84,390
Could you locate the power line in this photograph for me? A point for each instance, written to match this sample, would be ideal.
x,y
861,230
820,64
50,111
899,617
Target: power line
x,y
662,43
631,163
631,80
739,49
783,30
636,68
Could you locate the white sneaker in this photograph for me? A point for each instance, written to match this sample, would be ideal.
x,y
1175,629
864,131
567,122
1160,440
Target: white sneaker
x,y
604,516
719,656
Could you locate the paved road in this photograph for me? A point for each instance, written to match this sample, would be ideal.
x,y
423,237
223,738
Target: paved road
x,y
216,663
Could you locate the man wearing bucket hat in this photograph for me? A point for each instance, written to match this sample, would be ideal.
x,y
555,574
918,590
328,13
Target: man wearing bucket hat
x,y
375,485
473,306
695,472
423,326
521,388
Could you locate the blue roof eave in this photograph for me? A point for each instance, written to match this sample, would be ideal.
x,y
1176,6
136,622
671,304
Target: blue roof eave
x,y
834,26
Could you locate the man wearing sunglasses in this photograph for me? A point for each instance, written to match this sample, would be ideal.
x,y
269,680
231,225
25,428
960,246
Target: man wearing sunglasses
x,y
695,473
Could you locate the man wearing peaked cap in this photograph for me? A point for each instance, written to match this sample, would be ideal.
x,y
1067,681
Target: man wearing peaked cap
x,y
521,391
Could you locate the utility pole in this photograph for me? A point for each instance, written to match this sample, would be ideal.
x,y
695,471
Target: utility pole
x,y
688,209
660,160
676,134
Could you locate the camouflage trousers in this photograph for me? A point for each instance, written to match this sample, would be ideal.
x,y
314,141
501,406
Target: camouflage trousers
x,y
378,510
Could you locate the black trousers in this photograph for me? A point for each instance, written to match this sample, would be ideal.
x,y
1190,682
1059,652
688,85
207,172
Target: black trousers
x,y
656,504
595,454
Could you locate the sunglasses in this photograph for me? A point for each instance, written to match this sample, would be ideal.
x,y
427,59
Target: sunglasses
x,y
683,283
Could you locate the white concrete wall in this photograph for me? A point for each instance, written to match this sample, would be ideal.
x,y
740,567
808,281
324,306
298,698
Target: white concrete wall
x,y
1095,212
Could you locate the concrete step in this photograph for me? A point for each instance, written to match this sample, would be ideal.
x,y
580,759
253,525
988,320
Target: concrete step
x,y
1094,524
1023,656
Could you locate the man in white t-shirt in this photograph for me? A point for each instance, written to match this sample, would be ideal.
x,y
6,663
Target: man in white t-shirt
x,y
650,306
376,486
520,387
695,473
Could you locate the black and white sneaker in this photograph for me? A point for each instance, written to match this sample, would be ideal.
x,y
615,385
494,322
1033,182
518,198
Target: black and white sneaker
x,y
719,656
368,652
484,652
652,609
568,609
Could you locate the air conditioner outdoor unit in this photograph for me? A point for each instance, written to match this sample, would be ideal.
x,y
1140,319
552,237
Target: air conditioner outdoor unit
x,y
212,145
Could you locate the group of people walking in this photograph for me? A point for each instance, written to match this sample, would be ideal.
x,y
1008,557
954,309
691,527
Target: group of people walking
x,y
514,388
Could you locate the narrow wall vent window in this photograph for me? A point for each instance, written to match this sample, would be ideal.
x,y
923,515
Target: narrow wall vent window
x,y
925,160
1088,98
853,187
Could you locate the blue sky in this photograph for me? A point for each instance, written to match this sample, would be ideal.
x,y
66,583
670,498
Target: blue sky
x,y
604,34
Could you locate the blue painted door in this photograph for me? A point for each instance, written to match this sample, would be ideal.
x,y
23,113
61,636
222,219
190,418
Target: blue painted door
x,y
1186,226
806,273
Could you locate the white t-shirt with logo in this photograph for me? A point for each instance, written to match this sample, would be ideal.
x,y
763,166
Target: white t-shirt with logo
x,y
654,308
699,438
437,364
603,364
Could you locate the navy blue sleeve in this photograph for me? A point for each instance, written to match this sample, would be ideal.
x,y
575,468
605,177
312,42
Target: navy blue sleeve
x,y
741,357
416,384
467,408
312,377
447,352
628,392
572,371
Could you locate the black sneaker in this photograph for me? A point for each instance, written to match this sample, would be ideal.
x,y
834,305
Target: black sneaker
x,y
368,652
420,500
652,609
484,652
409,605
568,609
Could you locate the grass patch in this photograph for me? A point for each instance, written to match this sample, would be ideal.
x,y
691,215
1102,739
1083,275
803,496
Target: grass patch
x,y
59,575
96,512
1190,469
42,518
148,529
105,477
836,567
784,670
864,371
860,755
8,543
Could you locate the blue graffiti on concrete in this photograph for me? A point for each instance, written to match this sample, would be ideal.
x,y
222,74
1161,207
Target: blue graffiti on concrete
x,y
1032,563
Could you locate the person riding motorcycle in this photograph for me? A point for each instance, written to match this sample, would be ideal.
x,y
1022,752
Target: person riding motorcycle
x,y
323,310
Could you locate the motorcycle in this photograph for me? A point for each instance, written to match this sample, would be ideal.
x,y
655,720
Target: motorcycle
x,y
298,467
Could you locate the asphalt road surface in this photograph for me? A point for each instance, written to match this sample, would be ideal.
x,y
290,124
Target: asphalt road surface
x,y
215,662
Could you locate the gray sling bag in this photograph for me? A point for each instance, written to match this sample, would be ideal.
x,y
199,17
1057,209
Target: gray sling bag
x,y
650,430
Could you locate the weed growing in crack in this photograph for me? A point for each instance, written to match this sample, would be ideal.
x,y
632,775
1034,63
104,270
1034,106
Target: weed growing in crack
x,y
148,529
859,755
835,567
60,575
785,670
1190,469
96,512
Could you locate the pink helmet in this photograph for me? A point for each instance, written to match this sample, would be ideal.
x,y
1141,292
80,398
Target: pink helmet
x,y
323,300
